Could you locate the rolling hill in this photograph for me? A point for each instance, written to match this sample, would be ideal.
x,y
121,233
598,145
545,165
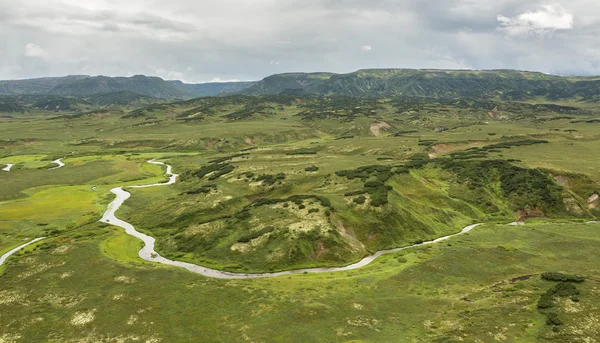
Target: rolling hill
x,y
510,85
57,103
212,88
81,85
442,84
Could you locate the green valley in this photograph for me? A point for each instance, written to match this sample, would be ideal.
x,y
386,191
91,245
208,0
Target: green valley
x,y
278,182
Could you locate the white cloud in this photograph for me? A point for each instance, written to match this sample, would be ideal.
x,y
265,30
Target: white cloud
x,y
546,20
34,50
219,80
238,39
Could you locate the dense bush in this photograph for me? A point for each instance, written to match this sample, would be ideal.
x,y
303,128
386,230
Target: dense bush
x,y
561,289
377,189
554,276
243,214
219,169
546,300
249,110
508,145
564,289
360,200
204,189
365,172
227,158
524,188
297,199
373,184
552,319
301,152
344,137
247,238
269,180
400,133
353,193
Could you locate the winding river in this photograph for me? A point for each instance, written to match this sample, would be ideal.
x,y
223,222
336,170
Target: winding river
x,y
149,254
7,255
59,162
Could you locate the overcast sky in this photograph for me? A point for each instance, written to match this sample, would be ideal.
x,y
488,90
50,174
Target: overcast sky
x,y
201,40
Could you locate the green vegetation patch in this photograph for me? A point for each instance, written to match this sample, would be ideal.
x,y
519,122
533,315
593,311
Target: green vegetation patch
x,y
560,277
215,169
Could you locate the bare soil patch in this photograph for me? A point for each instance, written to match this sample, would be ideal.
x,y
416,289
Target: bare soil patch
x,y
377,127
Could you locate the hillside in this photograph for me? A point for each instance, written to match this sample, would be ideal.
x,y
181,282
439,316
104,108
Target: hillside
x,y
212,88
274,183
56,103
407,83
35,86
275,84
82,85
443,84
149,86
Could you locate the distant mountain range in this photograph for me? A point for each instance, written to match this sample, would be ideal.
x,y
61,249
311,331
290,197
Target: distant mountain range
x,y
58,103
430,83
441,84
82,85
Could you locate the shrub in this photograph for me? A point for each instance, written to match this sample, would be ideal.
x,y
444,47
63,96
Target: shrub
x,y
311,169
204,189
373,184
559,277
313,210
219,170
360,200
227,158
564,289
359,192
223,171
546,300
247,238
324,201
552,319
269,180
243,215
301,152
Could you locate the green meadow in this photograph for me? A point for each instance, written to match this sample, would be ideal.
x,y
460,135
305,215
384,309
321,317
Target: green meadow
x,y
274,183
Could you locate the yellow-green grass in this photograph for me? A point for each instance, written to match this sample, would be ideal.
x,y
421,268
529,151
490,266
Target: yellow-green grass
x,y
123,248
413,296
564,155
460,290
26,161
53,209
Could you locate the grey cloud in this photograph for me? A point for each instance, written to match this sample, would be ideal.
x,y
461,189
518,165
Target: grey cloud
x,y
200,40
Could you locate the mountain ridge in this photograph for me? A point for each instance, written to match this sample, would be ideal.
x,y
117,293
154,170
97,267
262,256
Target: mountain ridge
x,y
504,84
435,83
85,85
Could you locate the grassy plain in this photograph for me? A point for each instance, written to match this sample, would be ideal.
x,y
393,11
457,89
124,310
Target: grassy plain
x,y
274,183
481,287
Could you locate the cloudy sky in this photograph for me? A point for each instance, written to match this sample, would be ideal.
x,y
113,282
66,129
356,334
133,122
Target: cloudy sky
x,y
202,40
